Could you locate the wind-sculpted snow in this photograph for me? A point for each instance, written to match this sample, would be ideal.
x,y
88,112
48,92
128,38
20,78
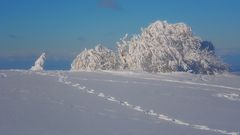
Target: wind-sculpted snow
x,y
39,63
161,47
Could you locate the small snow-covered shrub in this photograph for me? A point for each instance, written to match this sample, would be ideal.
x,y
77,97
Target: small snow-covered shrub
x,y
95,59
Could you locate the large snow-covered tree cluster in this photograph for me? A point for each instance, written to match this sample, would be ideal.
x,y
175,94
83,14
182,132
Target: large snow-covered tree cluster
x,y
161,47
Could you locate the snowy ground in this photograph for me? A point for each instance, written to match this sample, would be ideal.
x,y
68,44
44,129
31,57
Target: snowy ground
x,y
118,103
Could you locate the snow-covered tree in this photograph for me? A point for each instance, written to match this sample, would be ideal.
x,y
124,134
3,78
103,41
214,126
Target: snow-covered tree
x,y
99,58
123,53
161,47
164,47
39,63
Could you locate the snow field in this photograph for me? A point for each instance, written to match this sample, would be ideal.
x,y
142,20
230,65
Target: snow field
x,y
78,81
151,112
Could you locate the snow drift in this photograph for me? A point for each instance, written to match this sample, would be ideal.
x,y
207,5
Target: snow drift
x,y
161,47
39,63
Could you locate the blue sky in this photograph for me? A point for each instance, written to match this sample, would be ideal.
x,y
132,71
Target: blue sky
x,y
63,28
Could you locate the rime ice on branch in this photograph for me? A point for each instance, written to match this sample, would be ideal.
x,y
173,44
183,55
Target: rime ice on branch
x,y
161,47
39,63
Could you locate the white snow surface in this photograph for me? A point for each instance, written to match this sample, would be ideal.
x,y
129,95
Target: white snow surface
x,y
161,47
39,63
119,103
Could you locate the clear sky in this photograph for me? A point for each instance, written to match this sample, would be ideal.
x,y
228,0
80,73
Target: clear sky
x,y
62,28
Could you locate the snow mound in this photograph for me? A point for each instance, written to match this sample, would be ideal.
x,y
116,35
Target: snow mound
x,y
39,63
94,59
161,47
3,75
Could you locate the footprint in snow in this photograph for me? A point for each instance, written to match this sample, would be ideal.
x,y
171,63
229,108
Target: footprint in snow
x,y
75,85
101,95
111,99
91,91
151,112
124,103
138,108
81,87
164,117
229,96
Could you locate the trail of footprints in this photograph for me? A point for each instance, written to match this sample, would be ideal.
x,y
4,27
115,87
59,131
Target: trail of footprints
x,y
229,96
63,79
